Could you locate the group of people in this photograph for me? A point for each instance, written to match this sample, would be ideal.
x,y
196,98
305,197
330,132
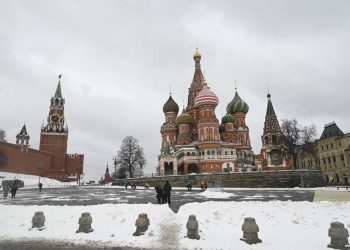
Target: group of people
x,y
13,190
163,193
132,186
204,186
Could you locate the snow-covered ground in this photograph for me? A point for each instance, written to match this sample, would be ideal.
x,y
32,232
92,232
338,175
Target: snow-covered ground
x,y
31,181
283,225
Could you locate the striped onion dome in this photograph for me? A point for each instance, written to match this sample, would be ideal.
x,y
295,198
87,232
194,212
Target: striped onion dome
x,y
184,118
206,97
237,105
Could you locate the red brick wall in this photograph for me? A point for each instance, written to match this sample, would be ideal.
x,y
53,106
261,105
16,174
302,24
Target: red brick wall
x,y
57,145
73,163
26,162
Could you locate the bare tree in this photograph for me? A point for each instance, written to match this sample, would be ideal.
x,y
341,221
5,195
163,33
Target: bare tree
x,y
291,131
130,158
298,139
2,135
308,135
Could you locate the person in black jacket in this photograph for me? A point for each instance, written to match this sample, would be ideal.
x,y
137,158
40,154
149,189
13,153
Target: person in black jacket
x,y
159,191
167,190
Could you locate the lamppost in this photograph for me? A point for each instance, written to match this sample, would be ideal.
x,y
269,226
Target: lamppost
x,y
115,162
39,170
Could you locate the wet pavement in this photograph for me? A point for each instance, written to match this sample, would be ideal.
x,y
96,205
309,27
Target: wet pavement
x,y
88,195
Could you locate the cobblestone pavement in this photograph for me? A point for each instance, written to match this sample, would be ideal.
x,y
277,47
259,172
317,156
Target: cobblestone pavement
x,y
76,196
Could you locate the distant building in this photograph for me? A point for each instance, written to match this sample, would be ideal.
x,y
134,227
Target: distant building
x,y
274,152
108,177
334,154
51,160
195,141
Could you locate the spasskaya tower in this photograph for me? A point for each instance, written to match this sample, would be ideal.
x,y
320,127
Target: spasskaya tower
x,y
54,137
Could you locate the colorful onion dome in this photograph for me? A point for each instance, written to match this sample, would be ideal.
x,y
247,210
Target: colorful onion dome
x,y
184,118
197,55
228,118
206,97
237,105
170,106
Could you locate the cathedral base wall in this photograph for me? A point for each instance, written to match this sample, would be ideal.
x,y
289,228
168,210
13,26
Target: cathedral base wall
x,y
268,179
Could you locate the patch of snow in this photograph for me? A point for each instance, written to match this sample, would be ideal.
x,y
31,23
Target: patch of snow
x,y
31,181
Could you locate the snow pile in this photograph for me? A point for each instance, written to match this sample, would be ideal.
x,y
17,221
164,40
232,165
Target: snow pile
x,y
283,225
31,181
209,193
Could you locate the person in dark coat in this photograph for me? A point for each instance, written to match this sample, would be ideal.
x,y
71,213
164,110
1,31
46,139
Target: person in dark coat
x,y
189,186
5,189
13,191
167,190
206,185
159,195
40,186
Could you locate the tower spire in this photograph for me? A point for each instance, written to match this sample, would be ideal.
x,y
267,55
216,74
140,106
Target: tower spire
x,y
58,93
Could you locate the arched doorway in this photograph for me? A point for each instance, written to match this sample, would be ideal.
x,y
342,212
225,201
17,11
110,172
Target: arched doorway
x,y
192,168
337,178
168,168
180,169
327,178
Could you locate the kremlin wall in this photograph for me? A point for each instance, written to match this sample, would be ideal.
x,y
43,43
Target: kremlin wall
x,y
51,160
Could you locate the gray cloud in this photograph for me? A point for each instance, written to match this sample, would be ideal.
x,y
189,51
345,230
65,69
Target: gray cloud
x,y
118,59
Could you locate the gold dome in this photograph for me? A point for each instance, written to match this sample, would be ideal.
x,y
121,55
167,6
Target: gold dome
x,y
197,55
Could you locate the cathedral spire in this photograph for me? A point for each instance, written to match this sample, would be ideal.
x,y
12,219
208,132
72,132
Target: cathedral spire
x,y
271,122
270,110
198,79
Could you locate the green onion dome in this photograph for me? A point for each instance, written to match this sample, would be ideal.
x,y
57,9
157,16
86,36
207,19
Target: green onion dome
x,y
170,106
184,118
237,105
228,118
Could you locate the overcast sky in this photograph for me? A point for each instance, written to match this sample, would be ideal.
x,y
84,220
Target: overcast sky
x,y
118,59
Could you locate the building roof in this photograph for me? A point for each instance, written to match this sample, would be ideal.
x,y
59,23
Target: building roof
x,y
23,130
331,129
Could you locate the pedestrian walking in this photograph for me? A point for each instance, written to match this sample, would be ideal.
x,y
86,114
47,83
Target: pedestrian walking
x,y
159,194
5,189
189,186
206,185
40,186
13,191
167,191
202,186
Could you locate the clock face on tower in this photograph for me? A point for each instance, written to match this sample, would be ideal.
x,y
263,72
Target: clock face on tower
x,y
55,118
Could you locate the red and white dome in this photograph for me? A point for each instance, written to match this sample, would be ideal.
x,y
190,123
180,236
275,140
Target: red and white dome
x,y
206,97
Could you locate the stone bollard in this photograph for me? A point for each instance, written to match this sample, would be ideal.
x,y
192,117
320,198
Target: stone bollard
x,y
141,224
250,231
38,219
192,227
85,223
339,236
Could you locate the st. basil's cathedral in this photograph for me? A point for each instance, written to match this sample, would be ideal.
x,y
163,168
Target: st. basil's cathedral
x,y
195,141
